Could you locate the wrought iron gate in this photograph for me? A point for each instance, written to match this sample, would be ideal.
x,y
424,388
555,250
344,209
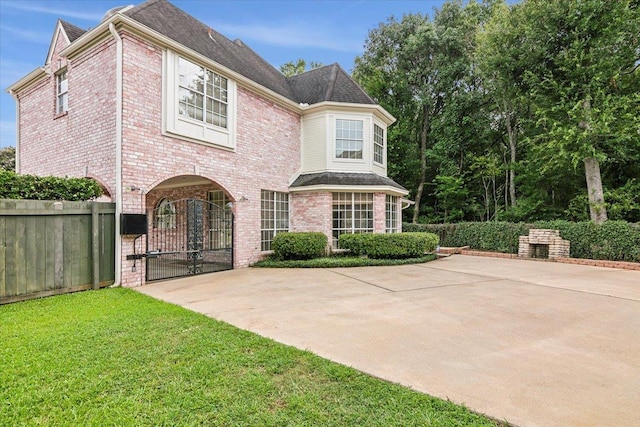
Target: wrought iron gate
x,y
187,237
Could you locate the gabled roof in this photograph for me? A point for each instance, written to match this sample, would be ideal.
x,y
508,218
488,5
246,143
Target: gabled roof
x,y
72,31
174,23
329,83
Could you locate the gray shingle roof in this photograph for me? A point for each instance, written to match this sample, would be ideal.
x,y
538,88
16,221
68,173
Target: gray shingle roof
x,y
72,31
174,23
330,83
340,178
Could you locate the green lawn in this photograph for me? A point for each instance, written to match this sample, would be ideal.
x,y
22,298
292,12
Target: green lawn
x,y
116,357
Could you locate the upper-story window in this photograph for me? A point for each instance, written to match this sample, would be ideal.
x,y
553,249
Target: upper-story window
x,y
62,97
202,94
200,104
349,139
378,144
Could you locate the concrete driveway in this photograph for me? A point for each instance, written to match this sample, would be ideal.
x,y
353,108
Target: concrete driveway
x,y
532,343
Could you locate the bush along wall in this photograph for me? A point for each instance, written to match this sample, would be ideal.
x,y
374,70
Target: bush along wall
x,y
612,240
389,246
14,186
299,245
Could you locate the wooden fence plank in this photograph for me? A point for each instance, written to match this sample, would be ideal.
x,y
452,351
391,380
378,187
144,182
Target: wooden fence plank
x,y
48,248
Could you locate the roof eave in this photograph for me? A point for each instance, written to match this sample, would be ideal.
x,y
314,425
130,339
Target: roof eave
x,y
388,189
123,21
31,78
382,114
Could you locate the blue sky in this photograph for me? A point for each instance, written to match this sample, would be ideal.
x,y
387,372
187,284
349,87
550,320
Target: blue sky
x,y
279,31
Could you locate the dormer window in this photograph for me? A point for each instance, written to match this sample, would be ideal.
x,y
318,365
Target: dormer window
x,y
349,139
62,98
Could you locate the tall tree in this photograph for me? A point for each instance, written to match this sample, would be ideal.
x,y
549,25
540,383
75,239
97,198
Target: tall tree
x,y
582,77
293,68
412,67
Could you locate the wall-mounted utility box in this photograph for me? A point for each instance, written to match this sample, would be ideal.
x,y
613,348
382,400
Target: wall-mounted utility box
x,y
133,224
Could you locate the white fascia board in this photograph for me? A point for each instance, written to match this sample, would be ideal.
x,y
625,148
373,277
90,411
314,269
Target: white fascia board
x,y
375,109
31,78
387,189
124,22
59,30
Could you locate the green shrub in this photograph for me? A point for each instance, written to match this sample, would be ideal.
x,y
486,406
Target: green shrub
x,y
390,245
612,240
14,186
299,245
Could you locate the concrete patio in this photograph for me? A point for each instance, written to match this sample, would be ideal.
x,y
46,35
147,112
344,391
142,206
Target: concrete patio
x,y
532,343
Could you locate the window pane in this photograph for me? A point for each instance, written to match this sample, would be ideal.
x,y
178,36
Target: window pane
x,y
349,138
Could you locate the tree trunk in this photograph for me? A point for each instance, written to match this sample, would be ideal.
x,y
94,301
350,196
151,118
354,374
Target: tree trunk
x,y
423,163
513,142
597,208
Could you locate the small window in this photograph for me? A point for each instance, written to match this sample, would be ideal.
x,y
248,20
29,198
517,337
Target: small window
x,y
378,144
62,97
165,214
349,137
274,216
391,217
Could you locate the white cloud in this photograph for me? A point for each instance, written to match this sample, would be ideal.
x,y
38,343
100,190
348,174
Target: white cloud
x,y
69,13
12,71
290,35
7,133
27,35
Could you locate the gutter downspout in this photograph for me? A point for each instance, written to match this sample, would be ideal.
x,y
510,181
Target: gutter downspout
x,y
118,245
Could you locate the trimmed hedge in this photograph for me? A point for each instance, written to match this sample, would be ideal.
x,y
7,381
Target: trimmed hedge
x,y
612,240
299,245
14,186
389,245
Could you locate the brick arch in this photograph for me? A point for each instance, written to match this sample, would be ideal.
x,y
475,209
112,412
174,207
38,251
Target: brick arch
x,y
168,177
105,188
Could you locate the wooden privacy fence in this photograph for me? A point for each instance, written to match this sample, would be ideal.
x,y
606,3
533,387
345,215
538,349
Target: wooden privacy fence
x,y
49,248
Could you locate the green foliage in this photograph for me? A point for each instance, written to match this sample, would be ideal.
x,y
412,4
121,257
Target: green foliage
x,y
14,186
339,261
8,159
612,240
300,66
389,245
299,245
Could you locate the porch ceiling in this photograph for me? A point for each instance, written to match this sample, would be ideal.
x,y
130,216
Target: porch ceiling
x,y
182,181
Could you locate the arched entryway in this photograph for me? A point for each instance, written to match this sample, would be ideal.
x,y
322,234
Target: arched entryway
x,y
190,228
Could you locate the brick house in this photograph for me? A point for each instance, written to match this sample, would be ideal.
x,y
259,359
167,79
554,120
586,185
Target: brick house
x,y
215,146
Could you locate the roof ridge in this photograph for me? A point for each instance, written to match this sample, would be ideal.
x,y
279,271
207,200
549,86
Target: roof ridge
x,y
332,81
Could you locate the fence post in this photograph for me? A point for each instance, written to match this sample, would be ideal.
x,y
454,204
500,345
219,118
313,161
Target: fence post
x,y
95,246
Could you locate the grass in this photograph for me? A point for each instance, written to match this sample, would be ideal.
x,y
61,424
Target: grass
x,y
340,261
116,357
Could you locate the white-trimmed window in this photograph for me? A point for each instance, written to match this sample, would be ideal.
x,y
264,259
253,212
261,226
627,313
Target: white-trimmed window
x,y
274,215
349,139
352,213
220,219
391,214
202,94
62,97
200,103
378,144
165,214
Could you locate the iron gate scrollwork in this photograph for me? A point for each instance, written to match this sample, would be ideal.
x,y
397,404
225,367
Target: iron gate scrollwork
x,y
187,237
